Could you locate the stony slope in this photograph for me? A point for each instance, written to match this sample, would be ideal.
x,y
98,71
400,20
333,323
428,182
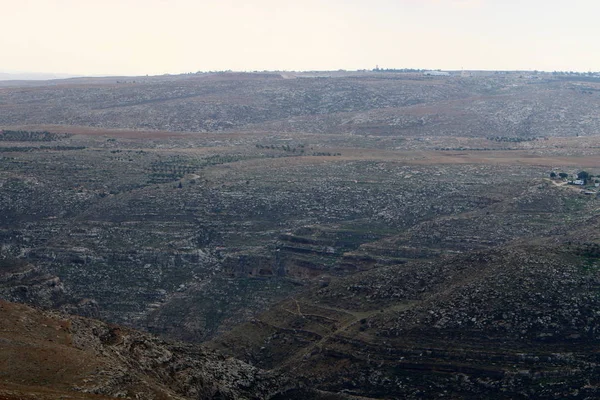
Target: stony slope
x,y
406,221
244,230
48,355
512,322
404,105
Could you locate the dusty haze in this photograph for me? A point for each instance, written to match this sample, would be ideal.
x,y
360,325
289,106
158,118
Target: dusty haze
x,y
134,37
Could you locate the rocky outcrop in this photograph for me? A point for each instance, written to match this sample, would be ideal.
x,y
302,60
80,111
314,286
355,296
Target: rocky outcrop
x,y
75,356
30,284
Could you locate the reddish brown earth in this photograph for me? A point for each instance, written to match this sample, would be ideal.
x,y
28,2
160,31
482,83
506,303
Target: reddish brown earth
x,y
39,360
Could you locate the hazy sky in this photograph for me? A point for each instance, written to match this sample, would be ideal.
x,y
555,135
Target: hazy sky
x,y
173,36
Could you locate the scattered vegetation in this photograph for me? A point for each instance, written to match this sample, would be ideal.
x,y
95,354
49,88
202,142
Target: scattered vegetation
x,y
14,149
30,136
409,262
512,139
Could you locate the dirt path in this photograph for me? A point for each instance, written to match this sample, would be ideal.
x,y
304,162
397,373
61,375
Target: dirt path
x,y
556,183
357,316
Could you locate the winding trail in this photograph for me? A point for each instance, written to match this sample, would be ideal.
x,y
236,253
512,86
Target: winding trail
x,y
356,316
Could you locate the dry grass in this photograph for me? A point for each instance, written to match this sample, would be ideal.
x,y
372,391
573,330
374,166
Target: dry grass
x,y
38,359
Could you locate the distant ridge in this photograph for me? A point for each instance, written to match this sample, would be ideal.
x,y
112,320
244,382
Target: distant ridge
x,y
32,76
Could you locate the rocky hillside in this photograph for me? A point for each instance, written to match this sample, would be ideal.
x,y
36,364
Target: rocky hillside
x,y
47,355
188,236
396,104
336,235
518,321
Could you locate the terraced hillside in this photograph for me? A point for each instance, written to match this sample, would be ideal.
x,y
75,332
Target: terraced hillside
x,y
226,231
517,321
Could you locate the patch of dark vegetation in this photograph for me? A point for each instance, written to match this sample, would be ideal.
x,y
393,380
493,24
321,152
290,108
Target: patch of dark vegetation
x,y
17,149
512,139
31,136
286,147
589,250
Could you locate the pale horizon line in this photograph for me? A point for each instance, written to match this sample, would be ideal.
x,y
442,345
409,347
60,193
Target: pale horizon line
x,y
65,75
